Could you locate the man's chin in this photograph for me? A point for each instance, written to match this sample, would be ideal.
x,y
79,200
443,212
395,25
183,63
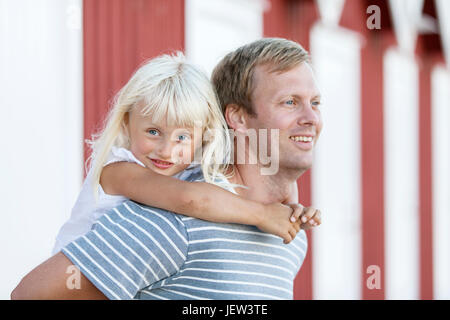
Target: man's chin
x,y
298,166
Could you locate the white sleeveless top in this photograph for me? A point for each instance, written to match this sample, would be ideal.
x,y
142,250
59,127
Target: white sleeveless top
x,y
86,210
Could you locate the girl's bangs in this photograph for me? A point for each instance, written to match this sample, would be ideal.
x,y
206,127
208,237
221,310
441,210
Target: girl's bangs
x,y
179,108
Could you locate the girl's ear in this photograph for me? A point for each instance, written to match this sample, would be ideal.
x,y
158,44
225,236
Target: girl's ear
x,y
235,117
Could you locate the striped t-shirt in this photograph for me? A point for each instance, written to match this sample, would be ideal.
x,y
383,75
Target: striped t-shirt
x,y
139,252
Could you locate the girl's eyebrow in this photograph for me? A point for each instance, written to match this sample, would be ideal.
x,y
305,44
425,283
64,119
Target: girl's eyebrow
x,y
149,123
152,126
183,130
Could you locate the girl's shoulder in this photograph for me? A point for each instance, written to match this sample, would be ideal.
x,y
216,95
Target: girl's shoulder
x,y
119,154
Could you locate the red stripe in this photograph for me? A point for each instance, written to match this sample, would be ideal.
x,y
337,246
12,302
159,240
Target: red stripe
x,y
372,158
303,283
117,10
89,63
103,61
425,184
429,49
293,20
373,48
118,36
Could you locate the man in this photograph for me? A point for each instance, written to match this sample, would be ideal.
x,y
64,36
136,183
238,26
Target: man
x,y
147,253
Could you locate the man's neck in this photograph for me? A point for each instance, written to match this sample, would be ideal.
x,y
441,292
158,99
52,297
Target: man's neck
x,y
263,188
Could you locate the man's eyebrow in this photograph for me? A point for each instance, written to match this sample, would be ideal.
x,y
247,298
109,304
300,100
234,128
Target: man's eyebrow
x,y
317,96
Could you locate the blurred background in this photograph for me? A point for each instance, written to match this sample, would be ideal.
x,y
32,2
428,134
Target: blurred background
x,y
382,170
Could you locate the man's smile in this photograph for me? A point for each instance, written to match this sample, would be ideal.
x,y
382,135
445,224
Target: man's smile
x,y
303,141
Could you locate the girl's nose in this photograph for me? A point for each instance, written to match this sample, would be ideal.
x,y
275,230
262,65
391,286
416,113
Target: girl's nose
x,y
164,150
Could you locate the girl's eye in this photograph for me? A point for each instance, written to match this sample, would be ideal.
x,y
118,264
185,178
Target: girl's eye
x,y
183,137
153,132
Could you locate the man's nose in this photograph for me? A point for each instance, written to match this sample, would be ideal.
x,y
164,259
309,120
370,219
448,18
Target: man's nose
x,y
308,116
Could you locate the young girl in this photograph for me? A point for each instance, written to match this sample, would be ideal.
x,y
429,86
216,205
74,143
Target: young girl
x,y
157,122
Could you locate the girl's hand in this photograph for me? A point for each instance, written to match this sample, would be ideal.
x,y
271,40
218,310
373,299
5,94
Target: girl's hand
x,y
308,216
275,220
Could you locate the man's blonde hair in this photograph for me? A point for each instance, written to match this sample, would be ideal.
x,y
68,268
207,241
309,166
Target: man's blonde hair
x,y
233,76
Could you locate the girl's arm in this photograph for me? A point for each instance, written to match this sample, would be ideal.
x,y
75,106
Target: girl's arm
x,y
195,199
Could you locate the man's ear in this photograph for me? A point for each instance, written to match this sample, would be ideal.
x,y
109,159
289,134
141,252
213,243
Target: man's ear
x,y
236,117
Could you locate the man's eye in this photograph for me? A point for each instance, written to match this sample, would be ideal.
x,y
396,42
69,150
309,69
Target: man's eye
x,y
153,132
315,103
290,102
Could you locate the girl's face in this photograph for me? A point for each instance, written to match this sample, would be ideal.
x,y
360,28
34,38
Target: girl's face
x,y
166,150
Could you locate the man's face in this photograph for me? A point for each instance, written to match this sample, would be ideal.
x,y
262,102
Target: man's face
x,y
288,101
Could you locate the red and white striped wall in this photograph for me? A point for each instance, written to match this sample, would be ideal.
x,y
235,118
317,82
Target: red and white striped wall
x,y
382,166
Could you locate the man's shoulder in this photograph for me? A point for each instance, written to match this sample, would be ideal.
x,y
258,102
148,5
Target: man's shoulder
x,y
142,218
130,247
145,211
300,242
192,173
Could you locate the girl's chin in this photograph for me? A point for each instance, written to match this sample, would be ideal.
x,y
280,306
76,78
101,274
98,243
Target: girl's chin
x,y
165,171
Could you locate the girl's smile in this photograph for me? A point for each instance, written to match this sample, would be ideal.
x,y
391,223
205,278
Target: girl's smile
x,y
161,164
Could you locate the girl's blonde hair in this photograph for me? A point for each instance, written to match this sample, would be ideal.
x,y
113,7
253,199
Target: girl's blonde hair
x,y
167,86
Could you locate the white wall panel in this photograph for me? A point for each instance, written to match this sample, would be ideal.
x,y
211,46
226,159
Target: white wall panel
x,y
443,12
401,141
336,173
41,133
216,27
440,91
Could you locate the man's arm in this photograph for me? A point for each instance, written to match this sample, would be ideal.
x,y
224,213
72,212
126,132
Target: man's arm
x,y
56,278
128,248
